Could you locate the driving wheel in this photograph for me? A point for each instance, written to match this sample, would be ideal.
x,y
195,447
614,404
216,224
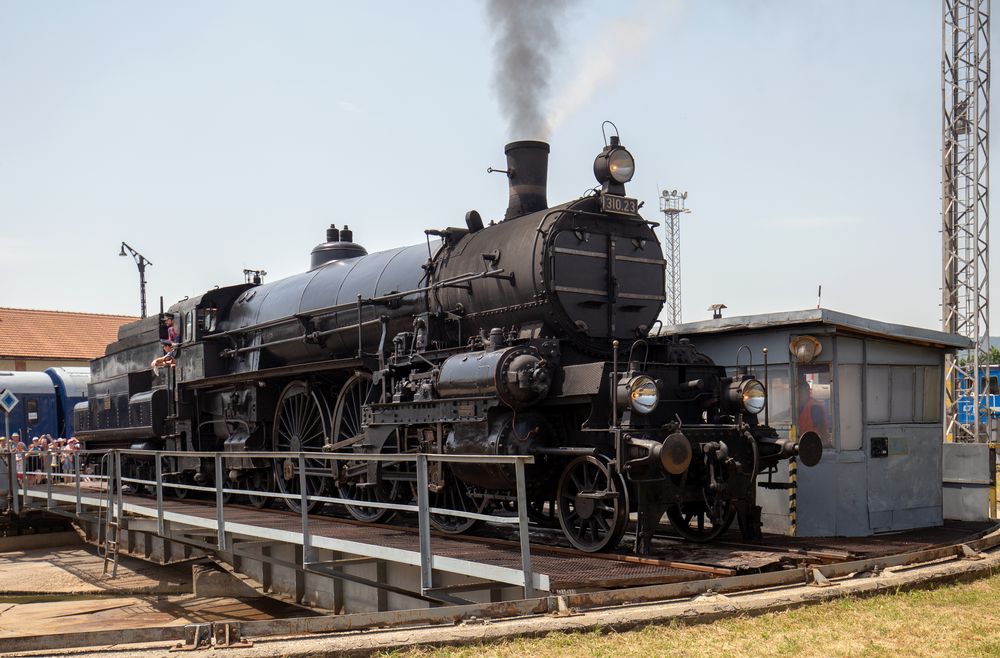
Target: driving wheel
x,y
456,495
301,424
592,504
701,522
355,479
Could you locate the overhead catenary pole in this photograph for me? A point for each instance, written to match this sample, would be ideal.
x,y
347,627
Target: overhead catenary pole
x,y
141,262
965,87
672,205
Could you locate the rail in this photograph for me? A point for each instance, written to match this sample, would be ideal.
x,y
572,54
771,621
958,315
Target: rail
x,y
100,471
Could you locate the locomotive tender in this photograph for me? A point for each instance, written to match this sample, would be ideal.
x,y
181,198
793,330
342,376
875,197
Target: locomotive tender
x,y
525,336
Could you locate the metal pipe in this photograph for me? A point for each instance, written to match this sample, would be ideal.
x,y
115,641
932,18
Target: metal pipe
x,y
120,511
220,518
160,525
349,456
424,525
767,397
48,479
11,480
307,556
76,468
522,529
614,383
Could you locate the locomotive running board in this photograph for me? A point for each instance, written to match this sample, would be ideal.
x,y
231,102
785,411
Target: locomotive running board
x,y
284,371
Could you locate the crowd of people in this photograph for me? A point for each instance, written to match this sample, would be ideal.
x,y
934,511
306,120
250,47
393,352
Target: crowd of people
x,y
31,457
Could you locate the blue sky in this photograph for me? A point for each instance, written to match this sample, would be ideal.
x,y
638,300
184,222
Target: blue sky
x,y
214,136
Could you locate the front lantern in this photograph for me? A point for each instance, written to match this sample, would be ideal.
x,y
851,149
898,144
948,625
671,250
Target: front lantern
x,y
614,167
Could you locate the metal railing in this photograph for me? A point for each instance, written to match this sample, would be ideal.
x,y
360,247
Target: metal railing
x,y
100,472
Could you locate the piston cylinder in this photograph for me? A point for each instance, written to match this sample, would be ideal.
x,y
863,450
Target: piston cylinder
x,y
518,375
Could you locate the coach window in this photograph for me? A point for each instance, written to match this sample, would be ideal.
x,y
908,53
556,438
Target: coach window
x,y
32,408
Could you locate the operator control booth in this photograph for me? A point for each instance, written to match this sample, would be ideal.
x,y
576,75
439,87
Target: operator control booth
x,y
873,391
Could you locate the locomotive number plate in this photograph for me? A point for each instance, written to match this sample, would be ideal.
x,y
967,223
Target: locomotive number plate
x,y
619,205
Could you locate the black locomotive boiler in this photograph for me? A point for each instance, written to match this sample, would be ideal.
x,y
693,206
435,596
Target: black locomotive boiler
x,y
528,335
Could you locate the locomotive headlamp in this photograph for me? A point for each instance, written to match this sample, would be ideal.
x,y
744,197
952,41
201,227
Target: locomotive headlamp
x,y
753,396
614,163
638,392
621,165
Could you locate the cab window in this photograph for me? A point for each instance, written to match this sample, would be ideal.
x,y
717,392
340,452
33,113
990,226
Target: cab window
x,y
207,319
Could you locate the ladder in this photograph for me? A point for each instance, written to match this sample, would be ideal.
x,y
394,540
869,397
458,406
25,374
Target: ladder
x,y
109,547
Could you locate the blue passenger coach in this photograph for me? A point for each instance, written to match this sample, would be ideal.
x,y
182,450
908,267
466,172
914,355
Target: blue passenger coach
x,y
46,400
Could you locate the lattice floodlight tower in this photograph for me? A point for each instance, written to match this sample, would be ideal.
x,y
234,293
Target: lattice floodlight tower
x,y
965,86
672,205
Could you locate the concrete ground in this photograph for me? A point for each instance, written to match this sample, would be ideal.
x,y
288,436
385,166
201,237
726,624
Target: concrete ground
x,y
68,566
62,588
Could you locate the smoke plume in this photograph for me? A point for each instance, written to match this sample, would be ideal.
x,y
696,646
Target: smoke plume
x,y
624,39
526,36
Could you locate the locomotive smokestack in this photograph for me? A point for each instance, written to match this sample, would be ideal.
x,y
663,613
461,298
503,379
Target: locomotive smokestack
x,y
527,175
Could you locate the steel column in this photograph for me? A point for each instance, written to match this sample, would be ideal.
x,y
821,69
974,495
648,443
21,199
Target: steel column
x,y
424,525
159,495
220,515
76,469
120,497
965,90
47,467
307,552
522,520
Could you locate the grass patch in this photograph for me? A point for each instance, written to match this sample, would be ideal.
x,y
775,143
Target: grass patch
x,y
954,620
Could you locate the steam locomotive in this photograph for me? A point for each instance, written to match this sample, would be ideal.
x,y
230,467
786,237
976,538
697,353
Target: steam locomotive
x,y
526,336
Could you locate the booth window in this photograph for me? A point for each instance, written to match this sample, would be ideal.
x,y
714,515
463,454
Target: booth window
x,y
850,429
812,402
930,400
904,394
779,396
901,406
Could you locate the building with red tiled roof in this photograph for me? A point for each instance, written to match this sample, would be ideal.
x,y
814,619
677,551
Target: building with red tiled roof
x,y
35,340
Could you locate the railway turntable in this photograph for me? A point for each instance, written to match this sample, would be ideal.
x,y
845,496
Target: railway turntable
x,y
339,564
